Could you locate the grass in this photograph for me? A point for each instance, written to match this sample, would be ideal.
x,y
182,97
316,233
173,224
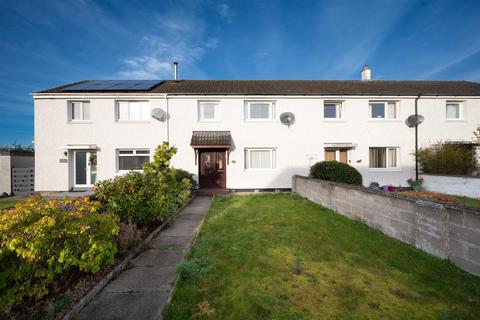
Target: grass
x,y
283,257
472,202
7,203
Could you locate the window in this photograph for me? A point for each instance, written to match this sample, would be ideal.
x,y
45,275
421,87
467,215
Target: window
x,y
132,159
453,110
133,111
332,110
259,111
383,110
383,157
208,112
340,155
260,158
79,111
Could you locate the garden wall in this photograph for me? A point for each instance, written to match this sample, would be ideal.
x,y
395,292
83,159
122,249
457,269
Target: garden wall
x,y
446,231
456,185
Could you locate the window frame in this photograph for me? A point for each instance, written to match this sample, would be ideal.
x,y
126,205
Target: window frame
x,y
385,110
339,109
386,168
271,111
247,158
133,154
70,111
460,110
200,117
117,111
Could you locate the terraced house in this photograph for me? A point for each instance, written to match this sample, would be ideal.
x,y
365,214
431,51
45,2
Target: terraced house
x,y
244,134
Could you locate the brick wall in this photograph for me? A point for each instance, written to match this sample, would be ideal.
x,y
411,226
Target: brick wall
x,y
446,231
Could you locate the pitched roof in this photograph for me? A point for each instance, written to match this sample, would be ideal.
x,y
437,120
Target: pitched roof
x,y
210,138
304,87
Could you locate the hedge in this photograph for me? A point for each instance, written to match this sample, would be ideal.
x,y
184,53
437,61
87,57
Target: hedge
x,y
336,171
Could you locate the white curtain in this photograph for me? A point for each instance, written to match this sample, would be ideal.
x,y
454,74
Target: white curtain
x,y
259,110
453,111
392,110
392,157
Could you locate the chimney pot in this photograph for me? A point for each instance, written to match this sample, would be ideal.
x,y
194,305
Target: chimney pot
x,y
366,73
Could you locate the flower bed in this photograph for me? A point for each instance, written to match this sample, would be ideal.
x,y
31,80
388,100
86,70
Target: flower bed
x,y
53,252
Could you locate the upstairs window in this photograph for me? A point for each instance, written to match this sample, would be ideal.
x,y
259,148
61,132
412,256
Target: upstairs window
x,y
78,111
453,110
208,112
332,110
133,111
132,159
260,158
259,111
383,110
383,157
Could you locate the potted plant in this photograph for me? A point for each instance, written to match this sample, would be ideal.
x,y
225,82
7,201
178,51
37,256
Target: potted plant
x,y
416,184
374,185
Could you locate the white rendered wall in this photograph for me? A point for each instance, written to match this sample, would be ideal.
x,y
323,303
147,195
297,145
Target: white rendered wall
x,y
5,174
298,147
459,186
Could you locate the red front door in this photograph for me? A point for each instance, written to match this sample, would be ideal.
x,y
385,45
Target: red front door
x,y
212,169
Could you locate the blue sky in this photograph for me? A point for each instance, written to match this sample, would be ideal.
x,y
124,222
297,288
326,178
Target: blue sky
x,y
48,43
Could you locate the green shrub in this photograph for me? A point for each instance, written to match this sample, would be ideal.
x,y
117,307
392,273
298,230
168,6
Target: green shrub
x,y
448,158
133,197
336,171
195,268
147,198
42,240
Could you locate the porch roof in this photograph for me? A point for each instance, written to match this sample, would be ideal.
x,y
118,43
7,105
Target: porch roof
x,y
212,139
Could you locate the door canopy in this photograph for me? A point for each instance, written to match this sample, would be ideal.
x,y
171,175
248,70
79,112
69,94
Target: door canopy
x,y
211,140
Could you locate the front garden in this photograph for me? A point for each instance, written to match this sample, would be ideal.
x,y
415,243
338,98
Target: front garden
x,y
284,257
52,252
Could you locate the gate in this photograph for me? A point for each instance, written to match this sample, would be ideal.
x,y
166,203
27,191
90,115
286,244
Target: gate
x,y
23,181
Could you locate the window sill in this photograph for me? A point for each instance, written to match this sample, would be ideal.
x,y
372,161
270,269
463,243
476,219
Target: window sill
x,y
208,121
80,122
260,170
260,120
384,120
133,121
334,120
127,171
384,169
455,120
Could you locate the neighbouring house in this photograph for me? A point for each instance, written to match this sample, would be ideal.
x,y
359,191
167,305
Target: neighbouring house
x,y
244,134
16,171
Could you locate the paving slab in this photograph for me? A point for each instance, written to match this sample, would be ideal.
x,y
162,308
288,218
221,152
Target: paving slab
x,y
143,279
158,258
125,306
142,291
170,242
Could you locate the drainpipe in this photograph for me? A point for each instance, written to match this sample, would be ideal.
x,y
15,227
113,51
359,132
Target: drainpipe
x,y
416,136
168,120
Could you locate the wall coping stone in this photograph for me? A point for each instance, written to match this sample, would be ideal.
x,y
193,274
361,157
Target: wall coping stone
x,y
397,195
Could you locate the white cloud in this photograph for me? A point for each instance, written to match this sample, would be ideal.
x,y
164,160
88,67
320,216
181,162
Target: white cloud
x,y
183,37
224,12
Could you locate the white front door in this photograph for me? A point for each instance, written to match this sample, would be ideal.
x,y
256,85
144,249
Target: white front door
x,y
85,168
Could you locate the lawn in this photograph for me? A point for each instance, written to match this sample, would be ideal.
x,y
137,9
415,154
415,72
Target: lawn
x,y
7,203
284,257
472,202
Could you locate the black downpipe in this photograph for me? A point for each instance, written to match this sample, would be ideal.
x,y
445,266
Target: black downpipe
x,y
416,137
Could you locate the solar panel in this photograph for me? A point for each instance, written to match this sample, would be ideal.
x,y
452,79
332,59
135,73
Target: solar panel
x,y
113,85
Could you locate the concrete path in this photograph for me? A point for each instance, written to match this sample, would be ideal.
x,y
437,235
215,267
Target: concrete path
x,y
141,291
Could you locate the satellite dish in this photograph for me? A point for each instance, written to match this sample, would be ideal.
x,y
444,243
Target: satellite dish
x,y
287,118
414,120
159,114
